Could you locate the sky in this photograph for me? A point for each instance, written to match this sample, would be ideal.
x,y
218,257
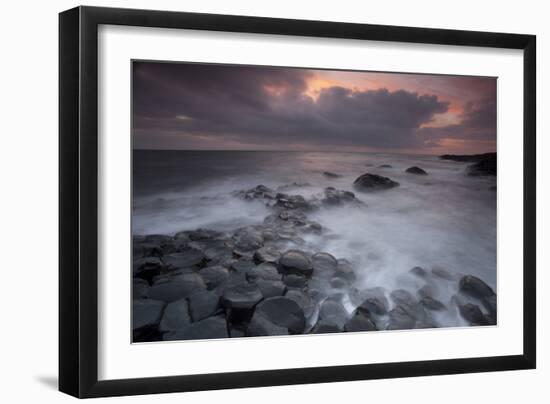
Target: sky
x,y
192,106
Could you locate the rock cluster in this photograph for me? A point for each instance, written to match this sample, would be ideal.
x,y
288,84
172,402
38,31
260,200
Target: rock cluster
x,y
261,279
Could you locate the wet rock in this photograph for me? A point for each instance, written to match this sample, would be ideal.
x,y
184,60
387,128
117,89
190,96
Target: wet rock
x,y
258,192
345,270
235,332
140,289
265,271
334,197
267,254
214,276
295,281
184,259
333,311
432,304
324,263
175,288
326,326
281,312
203,304
385,166
247,241
147,267
243,265
270,288
146,316
442,273
416,171
142,249
203,234
373,301
292,202
295,262
211,327
419,271
218,254
426,291
240,300
329,174
359,322
475,287
403,297
372,182
473,314
400,318
176,315
305,301
490,303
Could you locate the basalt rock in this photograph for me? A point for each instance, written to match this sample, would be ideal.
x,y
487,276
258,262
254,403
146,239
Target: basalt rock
x,y
295,262
211,327
146,316
416,171
475,287
372,182
277,313
177,287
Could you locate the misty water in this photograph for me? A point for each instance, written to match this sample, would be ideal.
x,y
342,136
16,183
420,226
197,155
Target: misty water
x,y
445,220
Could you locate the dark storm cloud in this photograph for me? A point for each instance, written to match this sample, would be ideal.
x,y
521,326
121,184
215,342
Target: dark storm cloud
x,y
193,105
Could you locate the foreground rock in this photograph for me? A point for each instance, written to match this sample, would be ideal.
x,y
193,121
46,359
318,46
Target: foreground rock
x,y
170,289
277,316
334,197
146,316
475,287
239,301
416,171
295,262
372,182
212,327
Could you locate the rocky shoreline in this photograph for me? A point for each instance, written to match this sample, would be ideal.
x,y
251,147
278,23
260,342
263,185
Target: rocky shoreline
x,y
261,280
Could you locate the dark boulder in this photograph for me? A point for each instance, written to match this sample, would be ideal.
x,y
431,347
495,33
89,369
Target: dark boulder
x,y
209,328
242,297
326,326
419,271
374,301
295,262
416,171
335,197
203,304
214,276
485,167
403,297
401,318
270,288
432,304
295,281
333,311
140,289
385,166
243,265
359,322
147,268
177,287
473,314
372,182
146,316
267,254
281,312
247,241
188,258
176,315
467,158
324,263
265,271
475,287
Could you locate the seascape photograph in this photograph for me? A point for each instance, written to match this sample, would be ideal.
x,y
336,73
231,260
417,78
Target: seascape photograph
x,y
273,201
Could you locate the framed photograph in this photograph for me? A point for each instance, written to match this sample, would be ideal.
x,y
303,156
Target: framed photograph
x,y
251,201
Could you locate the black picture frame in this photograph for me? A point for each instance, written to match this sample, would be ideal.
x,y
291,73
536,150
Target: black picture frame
x,y
78,200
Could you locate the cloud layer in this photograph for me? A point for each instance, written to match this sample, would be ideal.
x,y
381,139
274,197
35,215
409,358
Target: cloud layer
x,y
195,106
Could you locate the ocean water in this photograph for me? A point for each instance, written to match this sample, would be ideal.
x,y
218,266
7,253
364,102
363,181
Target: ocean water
x,y
443,220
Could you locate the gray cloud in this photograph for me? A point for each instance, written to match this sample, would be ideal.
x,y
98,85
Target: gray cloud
x,y
196,105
